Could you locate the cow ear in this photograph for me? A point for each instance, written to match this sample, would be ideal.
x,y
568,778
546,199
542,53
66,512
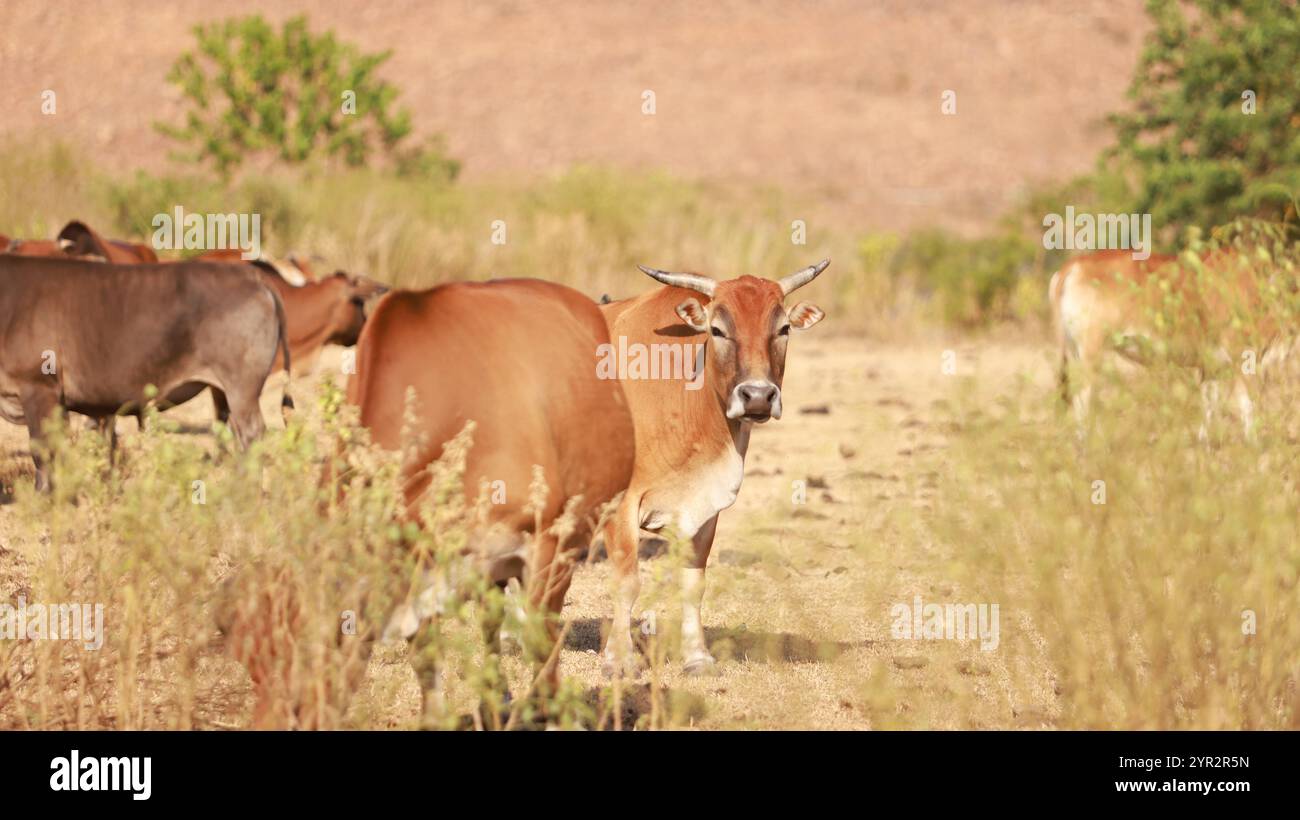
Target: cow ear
x,y
77,239
693,314
804,315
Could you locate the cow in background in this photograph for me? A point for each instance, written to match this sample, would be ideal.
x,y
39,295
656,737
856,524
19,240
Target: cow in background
x,y
92,338
80,241
1108,302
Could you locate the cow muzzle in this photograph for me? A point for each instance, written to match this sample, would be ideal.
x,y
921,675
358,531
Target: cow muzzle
x,y
756,401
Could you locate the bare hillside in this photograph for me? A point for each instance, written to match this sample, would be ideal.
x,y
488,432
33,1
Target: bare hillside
x,y
836,100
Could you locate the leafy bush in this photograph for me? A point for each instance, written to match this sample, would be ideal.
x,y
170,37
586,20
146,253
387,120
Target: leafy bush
x,y
1200,157
293,94
971,280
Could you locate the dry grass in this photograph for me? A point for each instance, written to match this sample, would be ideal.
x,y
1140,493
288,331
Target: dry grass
x,y
587,228
964,487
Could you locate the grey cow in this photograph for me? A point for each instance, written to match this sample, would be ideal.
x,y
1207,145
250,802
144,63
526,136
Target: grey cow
x,y
91,337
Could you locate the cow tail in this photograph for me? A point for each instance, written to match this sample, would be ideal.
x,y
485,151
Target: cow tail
x,y
282,340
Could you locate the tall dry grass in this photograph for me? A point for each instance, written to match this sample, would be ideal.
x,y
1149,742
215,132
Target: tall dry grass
x,y
252,590
1153,574
588,227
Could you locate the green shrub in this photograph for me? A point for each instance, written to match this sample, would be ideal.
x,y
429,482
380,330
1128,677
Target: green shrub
x,y
970,280
1201,158
293,94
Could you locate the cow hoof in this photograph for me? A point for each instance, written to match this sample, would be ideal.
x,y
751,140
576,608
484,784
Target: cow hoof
x,y
510,645
630,668
701,666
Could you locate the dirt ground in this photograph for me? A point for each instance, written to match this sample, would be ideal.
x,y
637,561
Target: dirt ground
x,y
798,599
798,603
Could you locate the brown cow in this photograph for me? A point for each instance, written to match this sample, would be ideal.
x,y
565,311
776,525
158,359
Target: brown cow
x,y
293,269
1108,301
91,337
324,311
319,311
518,357
692,432
79,241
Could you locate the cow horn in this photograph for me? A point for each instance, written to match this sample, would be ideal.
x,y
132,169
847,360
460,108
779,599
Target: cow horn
x,y
798,279
691,281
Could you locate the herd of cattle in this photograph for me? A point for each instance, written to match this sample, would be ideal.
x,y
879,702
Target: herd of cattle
x,y
87,324
90,324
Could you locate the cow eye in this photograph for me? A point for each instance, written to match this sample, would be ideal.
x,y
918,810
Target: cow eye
x,y
717,333
784,331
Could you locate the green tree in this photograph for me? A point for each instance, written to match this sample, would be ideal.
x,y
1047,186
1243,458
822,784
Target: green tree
x,y
252,89
1215,129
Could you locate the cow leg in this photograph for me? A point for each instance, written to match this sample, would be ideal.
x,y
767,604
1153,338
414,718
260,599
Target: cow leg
x,y
547,588
245,417
696,659
1081,401
621,535
38,402
1245,407
511,643
108,427
418,621
1210,401
1063,377
496,695
220,406
1080,360
426,662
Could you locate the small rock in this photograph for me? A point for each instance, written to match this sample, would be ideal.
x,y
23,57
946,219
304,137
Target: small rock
x,y
974,668
890,401
736,558
816,482
804,512
1032,717
910,662
846,451
816,409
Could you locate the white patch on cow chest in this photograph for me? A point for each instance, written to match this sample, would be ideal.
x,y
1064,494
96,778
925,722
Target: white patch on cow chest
x,y
691,497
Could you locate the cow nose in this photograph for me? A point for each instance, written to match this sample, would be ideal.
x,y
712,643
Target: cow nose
x,y
757,396
755,401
